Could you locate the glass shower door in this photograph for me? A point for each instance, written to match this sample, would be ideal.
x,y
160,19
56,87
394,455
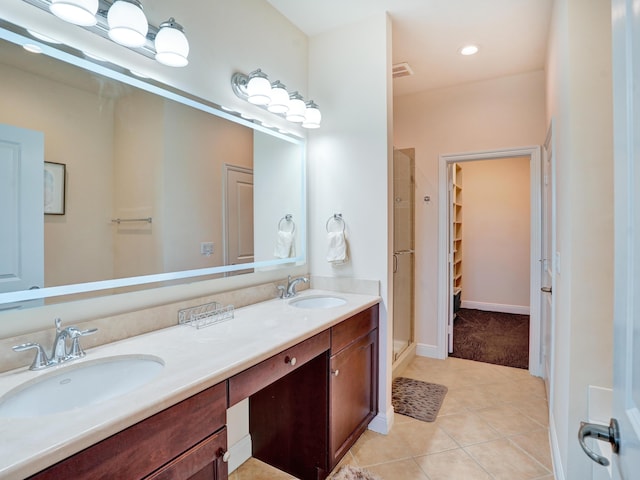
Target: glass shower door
x,y
403,250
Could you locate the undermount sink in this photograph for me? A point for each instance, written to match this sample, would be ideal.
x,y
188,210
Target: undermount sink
x,y
317,301
79,385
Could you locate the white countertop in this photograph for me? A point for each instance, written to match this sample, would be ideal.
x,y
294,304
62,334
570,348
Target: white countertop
x,y
193,361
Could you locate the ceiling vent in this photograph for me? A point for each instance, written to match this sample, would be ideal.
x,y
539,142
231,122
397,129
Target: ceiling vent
x,y
402,70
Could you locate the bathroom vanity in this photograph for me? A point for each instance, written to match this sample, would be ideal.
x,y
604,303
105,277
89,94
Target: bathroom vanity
x,y
310,376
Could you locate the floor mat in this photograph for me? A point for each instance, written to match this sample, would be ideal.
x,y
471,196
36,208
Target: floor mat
x,y
417,399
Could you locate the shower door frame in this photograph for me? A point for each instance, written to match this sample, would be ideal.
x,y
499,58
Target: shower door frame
x,y
444,290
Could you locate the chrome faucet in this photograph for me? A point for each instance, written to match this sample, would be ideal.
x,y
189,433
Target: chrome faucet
x,y
290,290
59,353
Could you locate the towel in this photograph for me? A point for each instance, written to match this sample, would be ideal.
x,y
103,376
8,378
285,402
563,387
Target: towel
x,y
285,247
337,251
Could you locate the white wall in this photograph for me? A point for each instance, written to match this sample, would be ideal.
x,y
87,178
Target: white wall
x,y
499,113
350,158
496,229
579,101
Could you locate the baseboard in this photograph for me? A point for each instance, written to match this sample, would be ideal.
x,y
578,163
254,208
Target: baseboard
x,y
239,453
424,350
496,307
558,471
382,423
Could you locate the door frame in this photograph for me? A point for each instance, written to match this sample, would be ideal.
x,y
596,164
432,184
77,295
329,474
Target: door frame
x,y
533,153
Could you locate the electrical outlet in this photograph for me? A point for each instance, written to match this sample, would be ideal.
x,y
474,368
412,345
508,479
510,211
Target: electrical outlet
x,y
206,249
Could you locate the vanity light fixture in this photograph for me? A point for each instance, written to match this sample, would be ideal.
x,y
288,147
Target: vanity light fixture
x,y
297,108
255,88
172,46
124,22
258,88
78,12
312,115
127,23
279,98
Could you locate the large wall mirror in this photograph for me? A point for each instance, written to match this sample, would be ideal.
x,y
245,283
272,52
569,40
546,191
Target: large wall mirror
x,y
143,186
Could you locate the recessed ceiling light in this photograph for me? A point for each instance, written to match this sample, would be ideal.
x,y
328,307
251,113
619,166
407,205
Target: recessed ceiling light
x,y
30,47
469,50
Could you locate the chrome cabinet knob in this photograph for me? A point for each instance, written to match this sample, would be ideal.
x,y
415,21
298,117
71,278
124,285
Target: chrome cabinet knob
x,y
290,360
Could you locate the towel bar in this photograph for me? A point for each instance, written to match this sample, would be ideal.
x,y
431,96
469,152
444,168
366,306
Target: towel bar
x,y
336,217
288,218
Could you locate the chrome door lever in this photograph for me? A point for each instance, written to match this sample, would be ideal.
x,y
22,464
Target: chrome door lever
x,y
609,434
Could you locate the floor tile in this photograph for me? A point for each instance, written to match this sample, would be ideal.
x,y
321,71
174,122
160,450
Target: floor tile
x,y
454,464
254,469
402,469
504,461
424,437
508,420
468,428
373,448
536,444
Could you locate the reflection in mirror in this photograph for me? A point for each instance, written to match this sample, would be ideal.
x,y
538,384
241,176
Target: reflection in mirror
x,y
157,190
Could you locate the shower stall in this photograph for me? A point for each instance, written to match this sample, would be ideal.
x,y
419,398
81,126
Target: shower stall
x,y
403,251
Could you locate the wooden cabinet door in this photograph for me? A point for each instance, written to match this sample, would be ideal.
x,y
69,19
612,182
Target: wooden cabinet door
x,y
201,462
353,388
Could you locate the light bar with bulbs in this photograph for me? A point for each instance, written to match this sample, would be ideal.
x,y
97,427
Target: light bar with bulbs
x,y
124,22
256,89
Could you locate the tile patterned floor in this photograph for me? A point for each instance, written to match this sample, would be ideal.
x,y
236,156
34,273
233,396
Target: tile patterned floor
x,y
493,425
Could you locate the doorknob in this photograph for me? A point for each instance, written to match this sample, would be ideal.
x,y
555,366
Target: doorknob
x,y
546,289
609,434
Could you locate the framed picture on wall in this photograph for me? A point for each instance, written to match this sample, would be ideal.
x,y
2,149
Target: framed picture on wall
x,y
54,187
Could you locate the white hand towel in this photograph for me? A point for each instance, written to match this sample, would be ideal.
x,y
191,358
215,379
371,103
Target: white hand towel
x,y
284,245
337,251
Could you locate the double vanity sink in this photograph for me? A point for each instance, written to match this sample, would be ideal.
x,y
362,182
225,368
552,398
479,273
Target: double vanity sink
x,y
51,414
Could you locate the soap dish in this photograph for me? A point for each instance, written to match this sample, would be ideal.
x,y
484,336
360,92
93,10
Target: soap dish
x,y
205,315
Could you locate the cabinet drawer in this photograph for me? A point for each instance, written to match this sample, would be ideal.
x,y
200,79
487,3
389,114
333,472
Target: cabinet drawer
x,y
203,461
353,328
149,444
254,379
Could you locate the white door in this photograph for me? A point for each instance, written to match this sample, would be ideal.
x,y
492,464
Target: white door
x,y
626,390
21,211
546,263
239,216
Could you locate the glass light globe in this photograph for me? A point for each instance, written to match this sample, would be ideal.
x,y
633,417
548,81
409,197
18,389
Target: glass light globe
x,y
279,102
127,23
312,116
258,88
79,12
297,108
172,46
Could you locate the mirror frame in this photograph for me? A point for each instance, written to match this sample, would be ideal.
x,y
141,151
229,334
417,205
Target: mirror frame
x,y
18,35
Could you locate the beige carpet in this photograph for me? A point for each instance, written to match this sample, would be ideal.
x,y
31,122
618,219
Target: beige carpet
x,y
417,399
354,473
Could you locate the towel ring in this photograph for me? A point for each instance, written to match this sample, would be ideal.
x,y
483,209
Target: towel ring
x,y
288,218
336,217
